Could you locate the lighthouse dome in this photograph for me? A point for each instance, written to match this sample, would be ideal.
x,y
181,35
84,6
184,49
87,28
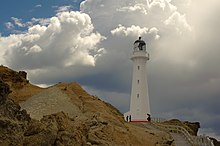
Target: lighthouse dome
x,y
139,45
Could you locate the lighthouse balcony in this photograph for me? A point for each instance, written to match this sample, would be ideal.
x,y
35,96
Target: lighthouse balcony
x,y
140,54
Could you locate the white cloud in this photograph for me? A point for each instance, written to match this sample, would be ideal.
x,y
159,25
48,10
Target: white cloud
x,y
135,31
63,9
129,31
137,7
9,25
18,22
67,40
34,49
178,22
40,21
38,6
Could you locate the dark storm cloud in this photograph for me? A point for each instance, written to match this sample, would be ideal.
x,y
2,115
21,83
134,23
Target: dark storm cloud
x,y
106,82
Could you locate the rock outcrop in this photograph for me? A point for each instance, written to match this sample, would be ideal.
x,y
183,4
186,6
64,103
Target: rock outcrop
x,y
13,77
20,87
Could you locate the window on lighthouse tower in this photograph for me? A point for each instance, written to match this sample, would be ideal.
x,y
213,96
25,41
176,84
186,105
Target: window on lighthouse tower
x,y
138,67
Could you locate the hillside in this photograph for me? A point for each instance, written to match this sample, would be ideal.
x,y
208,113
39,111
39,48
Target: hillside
x,y
66,115
81,119
98,122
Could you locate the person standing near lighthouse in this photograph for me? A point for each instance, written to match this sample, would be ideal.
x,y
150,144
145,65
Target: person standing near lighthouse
x,y
139,103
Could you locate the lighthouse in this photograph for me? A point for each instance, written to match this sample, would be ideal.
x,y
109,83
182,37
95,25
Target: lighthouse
x,y
139,103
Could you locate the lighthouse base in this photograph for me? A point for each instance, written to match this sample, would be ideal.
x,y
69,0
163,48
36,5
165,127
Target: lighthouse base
x,y
128,118
139,121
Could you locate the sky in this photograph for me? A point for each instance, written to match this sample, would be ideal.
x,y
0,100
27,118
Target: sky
x,y
91,42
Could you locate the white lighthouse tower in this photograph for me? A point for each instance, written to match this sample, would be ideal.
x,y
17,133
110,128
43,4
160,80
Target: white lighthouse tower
x,y
139,103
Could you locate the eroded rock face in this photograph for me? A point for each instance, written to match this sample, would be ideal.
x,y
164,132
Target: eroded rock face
x,y
12,120
4,91
8,108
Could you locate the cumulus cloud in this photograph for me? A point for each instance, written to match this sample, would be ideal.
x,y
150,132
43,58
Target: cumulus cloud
x,y
135,31
154,21
67,40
